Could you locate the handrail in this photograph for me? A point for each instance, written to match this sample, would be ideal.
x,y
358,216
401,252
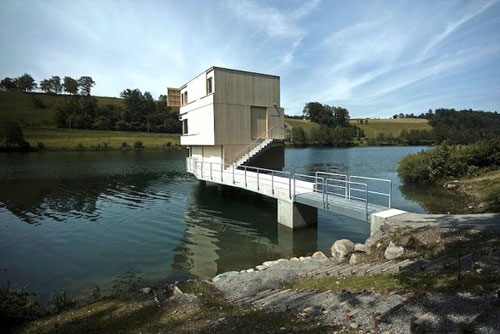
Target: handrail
x,y
269,180
259,139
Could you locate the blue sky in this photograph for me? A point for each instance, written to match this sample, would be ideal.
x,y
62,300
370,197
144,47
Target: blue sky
x,y
375,58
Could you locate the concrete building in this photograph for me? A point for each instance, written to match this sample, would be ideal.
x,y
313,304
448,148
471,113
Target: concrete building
x,y
226,113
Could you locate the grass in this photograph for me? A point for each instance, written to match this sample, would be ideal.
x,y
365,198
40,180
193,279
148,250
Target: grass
x,y
374,126
440,283
391,126
485,190
205,313
70,140
19,107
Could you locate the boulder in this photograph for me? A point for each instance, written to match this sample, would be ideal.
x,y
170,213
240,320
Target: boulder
x,y
393,252
319,255
354,259
359,248
341,248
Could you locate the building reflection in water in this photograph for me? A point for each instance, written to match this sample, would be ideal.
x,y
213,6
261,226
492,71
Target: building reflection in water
x,y
232,229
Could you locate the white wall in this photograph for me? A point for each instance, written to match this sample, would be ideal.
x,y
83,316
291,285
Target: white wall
x,y
200,116
197,87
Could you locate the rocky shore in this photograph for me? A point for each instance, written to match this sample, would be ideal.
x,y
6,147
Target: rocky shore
x,y
417,274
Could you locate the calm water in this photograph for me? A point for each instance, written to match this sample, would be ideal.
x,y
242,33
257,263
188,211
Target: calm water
x,y
69,220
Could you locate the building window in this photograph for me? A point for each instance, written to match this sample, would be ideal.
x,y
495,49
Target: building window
x,y
185,126
186,98
209,86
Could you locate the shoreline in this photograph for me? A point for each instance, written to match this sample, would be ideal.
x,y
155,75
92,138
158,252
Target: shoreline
x,y
403,276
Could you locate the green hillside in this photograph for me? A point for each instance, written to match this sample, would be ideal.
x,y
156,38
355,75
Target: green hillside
x,y
374,126
20,107
39,126
391,126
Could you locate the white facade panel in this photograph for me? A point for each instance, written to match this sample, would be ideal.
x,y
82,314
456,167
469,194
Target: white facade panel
x,y
200,118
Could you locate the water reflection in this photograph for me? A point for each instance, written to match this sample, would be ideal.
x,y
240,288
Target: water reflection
x,y
219,238
435,199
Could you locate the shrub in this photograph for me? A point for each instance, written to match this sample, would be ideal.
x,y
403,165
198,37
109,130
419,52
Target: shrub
x,y
40,145
80,146
61,301
17,306
444,162
138,144
124,144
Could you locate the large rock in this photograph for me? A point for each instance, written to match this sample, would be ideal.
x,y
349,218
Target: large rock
x,y
393,252
355,258
319,256
341,248
359,248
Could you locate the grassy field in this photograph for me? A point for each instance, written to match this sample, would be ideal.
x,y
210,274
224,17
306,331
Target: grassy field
x,y
19,107
38,125
391,126
374,126
64,139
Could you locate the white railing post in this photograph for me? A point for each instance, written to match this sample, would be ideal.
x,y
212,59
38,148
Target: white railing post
x,y
233,175
258,187
272,181
325,191
246,185
211,170
366,199
202,169
294,189
222,172
390,194
327,205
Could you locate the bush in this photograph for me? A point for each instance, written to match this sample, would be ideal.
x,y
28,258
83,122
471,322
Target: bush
x,y
138,144
124,144
80,146
40,145
61,301
445,162
17,306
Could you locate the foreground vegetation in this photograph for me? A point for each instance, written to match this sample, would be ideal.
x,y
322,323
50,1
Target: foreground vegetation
x,y
448,162
200,310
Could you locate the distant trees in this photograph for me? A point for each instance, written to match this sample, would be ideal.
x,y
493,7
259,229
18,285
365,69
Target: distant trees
x,y
334,128
12,133
139,113
70,85
52,85
85,83
24,83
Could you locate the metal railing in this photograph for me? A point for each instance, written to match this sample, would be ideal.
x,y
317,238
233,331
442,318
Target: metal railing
x,y
275,132
327,185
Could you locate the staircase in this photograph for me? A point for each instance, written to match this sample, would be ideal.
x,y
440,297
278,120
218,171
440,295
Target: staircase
x,y
254,152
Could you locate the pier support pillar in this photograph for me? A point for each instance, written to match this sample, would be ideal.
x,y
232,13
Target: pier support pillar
x,y
295,215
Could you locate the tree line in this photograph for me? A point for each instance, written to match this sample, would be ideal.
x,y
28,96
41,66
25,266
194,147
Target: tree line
x,y
334,127
52,85
140,112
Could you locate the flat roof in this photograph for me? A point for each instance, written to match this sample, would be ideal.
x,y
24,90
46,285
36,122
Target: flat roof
x,y
231,70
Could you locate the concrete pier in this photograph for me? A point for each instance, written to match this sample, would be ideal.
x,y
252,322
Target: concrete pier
x,y
295,215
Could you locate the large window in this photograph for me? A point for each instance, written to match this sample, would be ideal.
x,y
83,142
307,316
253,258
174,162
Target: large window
x,y
185,126
209,86
184,98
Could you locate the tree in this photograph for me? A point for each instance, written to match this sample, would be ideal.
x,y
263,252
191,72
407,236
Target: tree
x,y
70,85
86,83
149,107
341,116
8,84
26,82
55,82
299,137
13,134
46,85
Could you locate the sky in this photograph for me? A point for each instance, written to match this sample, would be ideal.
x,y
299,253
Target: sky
x,y
375,58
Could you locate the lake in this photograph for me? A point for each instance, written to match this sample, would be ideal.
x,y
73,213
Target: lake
x,y
69,220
